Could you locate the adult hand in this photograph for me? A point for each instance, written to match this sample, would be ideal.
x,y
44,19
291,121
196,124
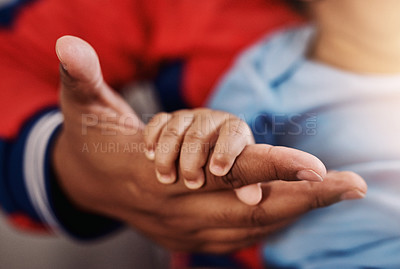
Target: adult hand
x,y
100,163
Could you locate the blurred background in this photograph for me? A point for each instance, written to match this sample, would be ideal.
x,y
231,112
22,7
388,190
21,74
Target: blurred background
x,y
2,2
19,250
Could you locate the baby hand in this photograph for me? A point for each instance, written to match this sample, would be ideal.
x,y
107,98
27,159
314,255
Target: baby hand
x,y
188,136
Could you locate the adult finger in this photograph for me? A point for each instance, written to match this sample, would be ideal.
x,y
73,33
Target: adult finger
x,y
232,235
281,201
264,163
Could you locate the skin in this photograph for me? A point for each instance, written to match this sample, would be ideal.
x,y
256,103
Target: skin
x,y
123,185
204,128
358,36
188,136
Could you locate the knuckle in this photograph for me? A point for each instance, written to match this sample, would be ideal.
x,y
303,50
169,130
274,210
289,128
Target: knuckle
x,y
158,118
259,217
221,157
223,152
317,202
163,164
221,216
190,171
234,179
171,131
317,197
273,171
188,174
192,151
238,127
195,135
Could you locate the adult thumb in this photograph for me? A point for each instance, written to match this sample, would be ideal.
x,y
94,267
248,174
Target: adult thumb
x,y
80,72
81,77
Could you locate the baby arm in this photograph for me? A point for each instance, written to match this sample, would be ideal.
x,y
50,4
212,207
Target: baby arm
x,y
187,137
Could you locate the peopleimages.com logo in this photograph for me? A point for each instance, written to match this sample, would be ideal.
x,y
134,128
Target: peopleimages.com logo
x,y
129,125
281,124
277,124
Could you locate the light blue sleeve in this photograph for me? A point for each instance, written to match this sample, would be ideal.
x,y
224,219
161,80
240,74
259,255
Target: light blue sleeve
x,y
251,89
245,93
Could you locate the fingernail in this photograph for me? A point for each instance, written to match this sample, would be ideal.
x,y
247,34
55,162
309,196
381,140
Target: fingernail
x,y
217,170
165,179
352,195
309,175
250,194
150,154
194,184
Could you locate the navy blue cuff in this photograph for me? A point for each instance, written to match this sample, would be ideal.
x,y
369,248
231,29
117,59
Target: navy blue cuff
x,y
14,194
28,185
76,223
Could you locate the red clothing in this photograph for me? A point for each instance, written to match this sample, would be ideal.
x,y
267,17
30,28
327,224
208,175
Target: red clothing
x,y
132,38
